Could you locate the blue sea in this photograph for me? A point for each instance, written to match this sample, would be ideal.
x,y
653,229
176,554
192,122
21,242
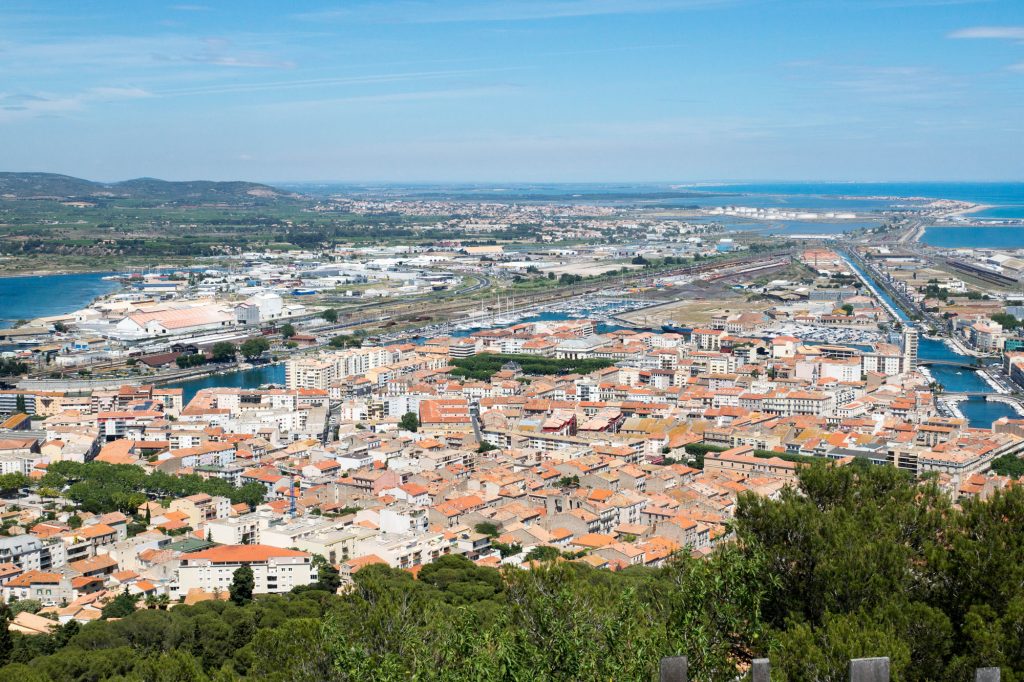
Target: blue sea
x,y
1006,198
25,298
975,237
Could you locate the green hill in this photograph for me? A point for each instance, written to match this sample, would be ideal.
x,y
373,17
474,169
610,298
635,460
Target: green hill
x,y
66,188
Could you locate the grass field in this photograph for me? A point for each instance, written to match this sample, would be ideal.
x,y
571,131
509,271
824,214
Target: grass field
x,y
692,312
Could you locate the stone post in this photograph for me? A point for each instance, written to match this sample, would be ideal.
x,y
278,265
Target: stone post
x,y
673,669
761,670
869,670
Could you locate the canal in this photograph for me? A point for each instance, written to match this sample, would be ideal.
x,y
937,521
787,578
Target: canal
x,y
244,378
979,412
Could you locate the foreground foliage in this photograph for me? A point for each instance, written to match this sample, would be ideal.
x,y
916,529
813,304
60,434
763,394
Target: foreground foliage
x,y
857,562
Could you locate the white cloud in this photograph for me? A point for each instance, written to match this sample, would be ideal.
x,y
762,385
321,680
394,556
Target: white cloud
x,y
14,106
293,84
990,32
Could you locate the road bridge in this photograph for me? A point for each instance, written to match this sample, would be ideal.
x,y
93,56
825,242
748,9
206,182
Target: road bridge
x,y
924,362
989,396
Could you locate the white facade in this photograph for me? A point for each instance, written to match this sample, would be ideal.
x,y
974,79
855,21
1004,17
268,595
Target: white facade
x,y
275,570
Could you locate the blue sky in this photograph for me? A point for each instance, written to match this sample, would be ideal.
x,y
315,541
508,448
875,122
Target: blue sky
x,y
514,90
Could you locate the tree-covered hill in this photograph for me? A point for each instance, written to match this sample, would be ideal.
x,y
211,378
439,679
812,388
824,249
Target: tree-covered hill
x,y
857,562
64,187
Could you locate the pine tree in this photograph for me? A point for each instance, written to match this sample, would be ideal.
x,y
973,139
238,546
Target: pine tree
x,y
242,584
6,641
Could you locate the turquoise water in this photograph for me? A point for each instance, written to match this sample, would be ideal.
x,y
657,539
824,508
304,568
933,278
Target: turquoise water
x,y
979,412
975,237
26,298
248,378
855,196
1001,212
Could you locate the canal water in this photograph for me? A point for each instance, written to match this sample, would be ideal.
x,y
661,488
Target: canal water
x,y
979,412
246,378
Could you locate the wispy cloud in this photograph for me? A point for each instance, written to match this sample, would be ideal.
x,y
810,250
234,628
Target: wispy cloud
x,y
191,8
369,79
990,32
409,96
240,61
438,11
885,84
35,104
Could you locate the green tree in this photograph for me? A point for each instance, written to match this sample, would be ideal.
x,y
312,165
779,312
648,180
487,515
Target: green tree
x,y
345,341
25,605
409,422
19,404
543,553
487,528
121,605
242,585
287,330
253,348
12,367
6,639
330,315
188,360
1008,465
328,577
10,483
223,351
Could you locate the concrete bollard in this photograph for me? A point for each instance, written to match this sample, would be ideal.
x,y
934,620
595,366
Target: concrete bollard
x,y
761,670
869,670
673,669
986,675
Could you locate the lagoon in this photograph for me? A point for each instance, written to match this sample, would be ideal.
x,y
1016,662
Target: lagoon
x,y
975,237
29,297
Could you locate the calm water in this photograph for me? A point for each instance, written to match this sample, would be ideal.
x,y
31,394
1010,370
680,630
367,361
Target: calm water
x,y
1001,212
853,196
26,298
792,227
993,193
248,378
979,412
975,237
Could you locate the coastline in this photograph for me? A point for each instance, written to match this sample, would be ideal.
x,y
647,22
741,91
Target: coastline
x,y
52,273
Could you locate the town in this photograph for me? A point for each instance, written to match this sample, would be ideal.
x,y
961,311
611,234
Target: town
x,y
615,428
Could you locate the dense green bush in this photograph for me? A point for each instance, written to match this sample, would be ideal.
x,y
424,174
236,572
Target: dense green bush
x,y
482,367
